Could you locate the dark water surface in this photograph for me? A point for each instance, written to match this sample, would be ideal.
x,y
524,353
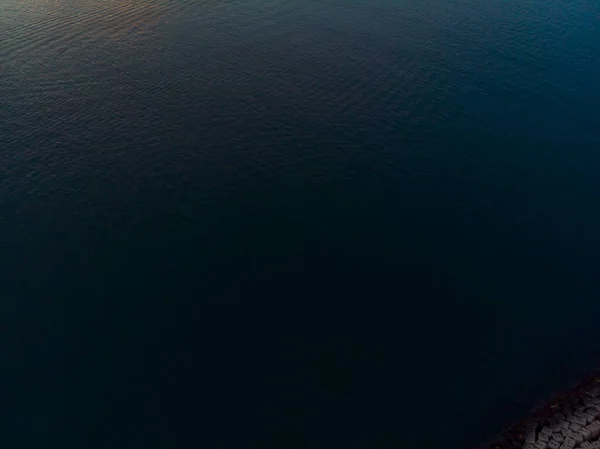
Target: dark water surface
x,y
294,224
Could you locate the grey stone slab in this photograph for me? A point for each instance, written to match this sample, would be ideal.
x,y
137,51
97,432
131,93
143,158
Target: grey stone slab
x,y
594,392
586,432
578,420
594,429
591,413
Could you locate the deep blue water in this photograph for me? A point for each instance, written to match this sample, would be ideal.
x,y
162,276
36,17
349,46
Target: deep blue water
x,y
286,224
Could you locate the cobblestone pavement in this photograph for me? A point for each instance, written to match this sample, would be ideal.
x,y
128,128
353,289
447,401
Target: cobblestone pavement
x,y
570,420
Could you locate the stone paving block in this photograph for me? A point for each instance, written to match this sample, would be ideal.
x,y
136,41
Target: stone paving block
x,y
578,420
586,432
569,421
590,415
531,426
541,445
553,444
594,428
594,392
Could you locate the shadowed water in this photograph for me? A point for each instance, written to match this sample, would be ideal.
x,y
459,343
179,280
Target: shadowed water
x,y
334,224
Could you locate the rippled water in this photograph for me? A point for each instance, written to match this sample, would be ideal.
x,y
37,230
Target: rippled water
x,y
396,200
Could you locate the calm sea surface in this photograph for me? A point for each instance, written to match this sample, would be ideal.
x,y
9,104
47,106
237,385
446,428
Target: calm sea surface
x,y
294,224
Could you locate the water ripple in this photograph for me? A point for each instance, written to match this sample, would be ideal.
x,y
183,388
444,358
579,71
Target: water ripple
x,y
264,136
